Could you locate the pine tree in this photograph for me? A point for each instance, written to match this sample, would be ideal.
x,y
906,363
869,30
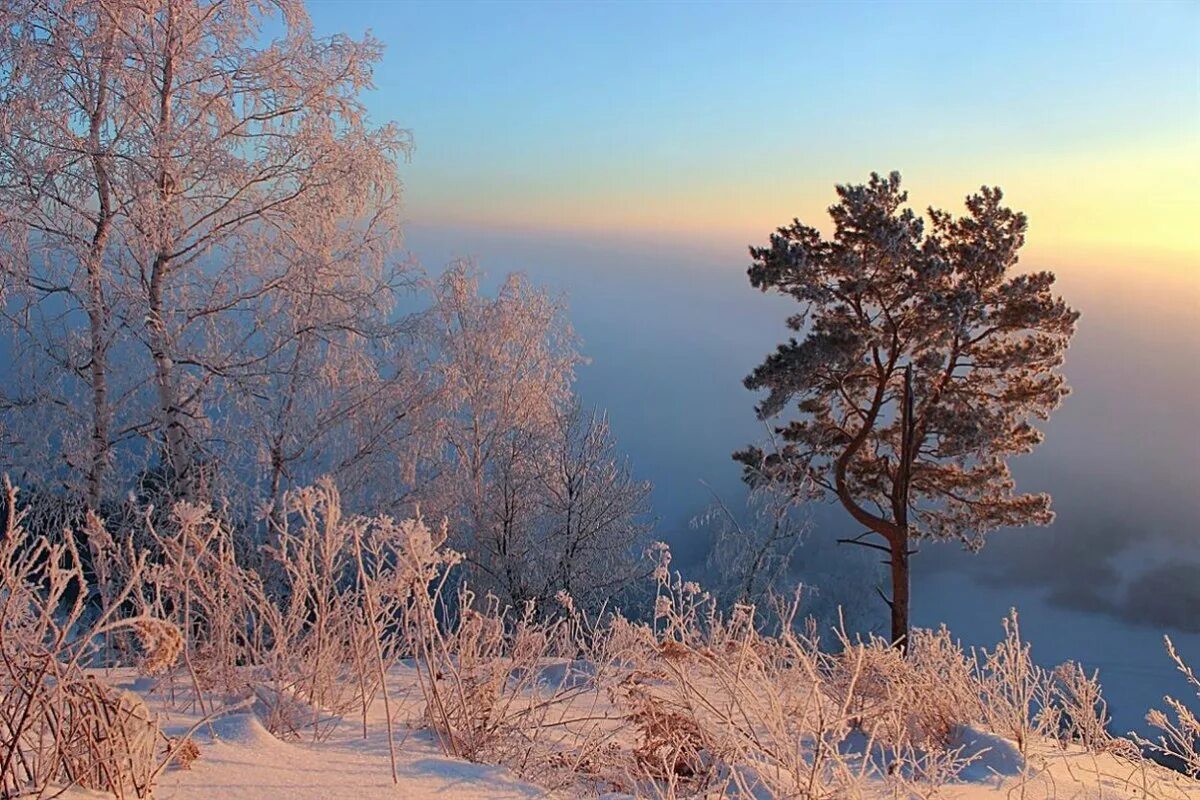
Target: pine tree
x,y
920,361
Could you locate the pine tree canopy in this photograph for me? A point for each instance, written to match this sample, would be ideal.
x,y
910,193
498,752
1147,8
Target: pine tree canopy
x,y
890,295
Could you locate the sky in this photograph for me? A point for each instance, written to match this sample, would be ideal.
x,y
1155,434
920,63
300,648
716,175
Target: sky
x,y
625,154
713,120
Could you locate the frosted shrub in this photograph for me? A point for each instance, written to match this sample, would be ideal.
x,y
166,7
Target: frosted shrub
x,y
58,724
196,582
1013,689
1179,740
467,716
946,668
317,612
107,738
1078,711
670,743
623,641
490,694
501,685
896,702
325,623
304,628
718,707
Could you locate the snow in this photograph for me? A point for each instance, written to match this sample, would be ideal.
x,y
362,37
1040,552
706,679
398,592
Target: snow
x,y
990,755
241,760
244,762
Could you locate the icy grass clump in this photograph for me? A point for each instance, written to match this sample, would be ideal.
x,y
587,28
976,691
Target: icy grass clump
x,y
58,724
1179,741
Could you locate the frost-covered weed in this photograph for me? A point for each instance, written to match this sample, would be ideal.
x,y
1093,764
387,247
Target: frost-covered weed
x,y
1013,689
59,725
1179,739
308,629
1078,710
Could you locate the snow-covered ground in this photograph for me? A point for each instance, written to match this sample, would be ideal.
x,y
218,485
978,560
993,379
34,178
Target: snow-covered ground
x,y
239,759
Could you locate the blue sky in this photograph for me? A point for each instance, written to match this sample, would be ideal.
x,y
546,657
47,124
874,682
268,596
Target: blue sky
x,y
734,117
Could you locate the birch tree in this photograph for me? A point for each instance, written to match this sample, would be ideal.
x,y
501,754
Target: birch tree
x,y
504,367
62,123
595,514
921,362
216,206
240,150
537,497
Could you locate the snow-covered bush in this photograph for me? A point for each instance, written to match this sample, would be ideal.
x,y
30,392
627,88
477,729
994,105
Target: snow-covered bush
x,y
1179,740
108,739
898,701
306,628
1014,690
1078,710
496,688
59,725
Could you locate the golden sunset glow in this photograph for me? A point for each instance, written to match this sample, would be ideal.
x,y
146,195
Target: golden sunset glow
x,y
1131,207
